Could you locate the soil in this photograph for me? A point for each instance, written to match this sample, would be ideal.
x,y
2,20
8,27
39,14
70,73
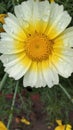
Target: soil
x,y
38,118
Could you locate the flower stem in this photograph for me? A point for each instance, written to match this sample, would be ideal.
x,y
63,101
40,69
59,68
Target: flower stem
x,y
65,91
3,80
12,106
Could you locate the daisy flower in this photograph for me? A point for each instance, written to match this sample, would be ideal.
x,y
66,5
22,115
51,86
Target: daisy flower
x,y
37,44
51,0
63,127
2,16
2,126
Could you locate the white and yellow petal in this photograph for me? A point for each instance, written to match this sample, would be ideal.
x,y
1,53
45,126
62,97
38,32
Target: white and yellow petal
x,y
40,78
58,20
50,74
64,64
67,37
44,13
13,29
8,47
16,65
31,75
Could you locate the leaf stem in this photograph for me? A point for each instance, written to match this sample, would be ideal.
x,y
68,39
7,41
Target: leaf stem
x,y
12,106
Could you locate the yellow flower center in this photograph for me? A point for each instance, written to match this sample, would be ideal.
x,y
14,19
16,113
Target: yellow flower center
x,y
38,47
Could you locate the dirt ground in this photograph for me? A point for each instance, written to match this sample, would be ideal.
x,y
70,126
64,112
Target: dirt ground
x,y
38,120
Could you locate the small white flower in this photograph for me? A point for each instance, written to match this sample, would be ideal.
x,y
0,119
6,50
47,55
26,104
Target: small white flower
x,y
37,44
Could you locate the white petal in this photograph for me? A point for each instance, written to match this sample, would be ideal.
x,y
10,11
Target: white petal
x,y
18,21
35,15
24,11
10,47
13,19
44,10
31,10
67,37
41,12
13,29
58,20
6,37
30,77
9,60
40,78
16,68
16,71
50,74
65,64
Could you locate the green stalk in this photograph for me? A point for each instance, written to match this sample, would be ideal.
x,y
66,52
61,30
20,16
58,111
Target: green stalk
x,y
12,106
65,91
3,81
